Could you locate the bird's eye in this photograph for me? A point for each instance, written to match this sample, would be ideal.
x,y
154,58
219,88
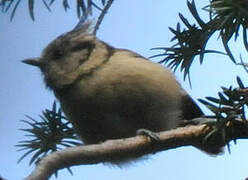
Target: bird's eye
x,y
59,48
57,53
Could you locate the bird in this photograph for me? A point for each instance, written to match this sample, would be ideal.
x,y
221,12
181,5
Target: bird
x,y
111,93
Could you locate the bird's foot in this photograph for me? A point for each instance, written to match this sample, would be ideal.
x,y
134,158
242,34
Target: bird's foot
x,y
150,134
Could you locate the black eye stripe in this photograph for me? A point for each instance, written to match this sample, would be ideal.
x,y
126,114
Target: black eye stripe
x,y
82,45
61,48
57,49
57,53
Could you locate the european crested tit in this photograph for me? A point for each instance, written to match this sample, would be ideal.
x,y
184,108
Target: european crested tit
x,y
110,93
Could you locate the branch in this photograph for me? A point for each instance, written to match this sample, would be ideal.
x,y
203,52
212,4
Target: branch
x,y
103,13
132,147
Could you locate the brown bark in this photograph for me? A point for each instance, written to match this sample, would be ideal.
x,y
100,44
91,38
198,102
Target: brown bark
x,y
135,146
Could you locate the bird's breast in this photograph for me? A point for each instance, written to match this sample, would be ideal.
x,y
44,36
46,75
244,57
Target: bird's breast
x,y
118,99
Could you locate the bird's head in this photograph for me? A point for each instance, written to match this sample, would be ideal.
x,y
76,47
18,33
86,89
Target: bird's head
x,y
64,55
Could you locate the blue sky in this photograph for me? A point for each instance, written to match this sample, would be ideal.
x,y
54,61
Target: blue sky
x,y
135,25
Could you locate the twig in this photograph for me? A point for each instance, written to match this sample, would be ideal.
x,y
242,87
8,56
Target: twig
x,y
100,18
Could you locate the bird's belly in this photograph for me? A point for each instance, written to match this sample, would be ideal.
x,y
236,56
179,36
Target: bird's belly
x,y
96,120
117,108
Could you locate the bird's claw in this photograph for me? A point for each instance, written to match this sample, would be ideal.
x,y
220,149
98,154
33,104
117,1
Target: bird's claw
x,y
148,133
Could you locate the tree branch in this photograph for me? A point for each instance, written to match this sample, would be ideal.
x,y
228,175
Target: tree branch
x,y
112,150
100,18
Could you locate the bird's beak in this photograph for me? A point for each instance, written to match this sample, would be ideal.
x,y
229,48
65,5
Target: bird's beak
x,y
33,62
